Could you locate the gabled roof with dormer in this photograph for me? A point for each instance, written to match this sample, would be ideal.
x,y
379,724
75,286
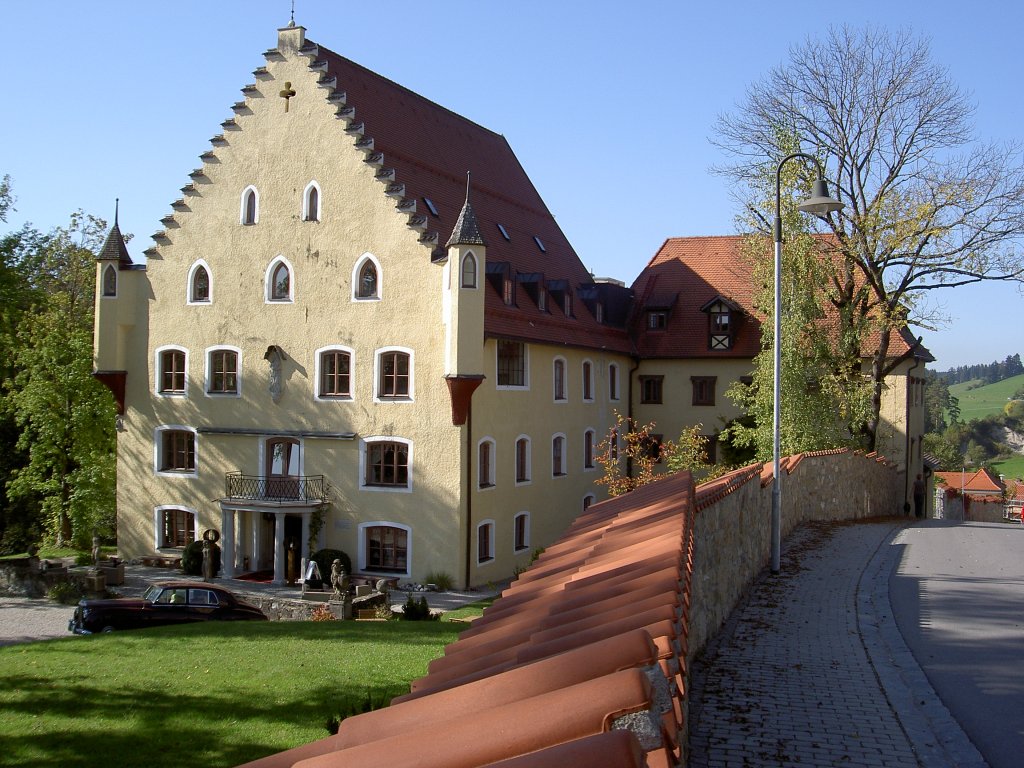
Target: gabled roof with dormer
x,y
425,150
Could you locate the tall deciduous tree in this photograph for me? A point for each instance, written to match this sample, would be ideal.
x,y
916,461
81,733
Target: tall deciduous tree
x,y
927,206
65,418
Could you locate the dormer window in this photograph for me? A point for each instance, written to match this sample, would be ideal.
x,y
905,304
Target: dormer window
x,y
657,321
508,294
722,320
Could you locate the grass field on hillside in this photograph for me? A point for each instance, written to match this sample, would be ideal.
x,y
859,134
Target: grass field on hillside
x,y
1013,467
202,694
986,400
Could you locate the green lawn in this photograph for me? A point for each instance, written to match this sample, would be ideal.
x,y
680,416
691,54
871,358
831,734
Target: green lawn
x,y
200,695
1012,467
987,400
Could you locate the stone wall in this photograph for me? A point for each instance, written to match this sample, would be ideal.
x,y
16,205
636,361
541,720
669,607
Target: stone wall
x,y
733,522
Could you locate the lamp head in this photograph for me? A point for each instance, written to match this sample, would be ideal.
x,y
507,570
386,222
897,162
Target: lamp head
x,y
820,203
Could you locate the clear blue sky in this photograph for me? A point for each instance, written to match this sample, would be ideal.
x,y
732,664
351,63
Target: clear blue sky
x,y
609,105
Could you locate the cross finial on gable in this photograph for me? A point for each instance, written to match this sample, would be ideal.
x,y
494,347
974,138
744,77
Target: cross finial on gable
x,y
292,22
286,93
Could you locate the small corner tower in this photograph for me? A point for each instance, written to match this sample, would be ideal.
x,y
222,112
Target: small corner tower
x,y
114,312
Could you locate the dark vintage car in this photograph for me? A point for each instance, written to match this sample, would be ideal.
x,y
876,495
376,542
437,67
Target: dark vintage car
x,y
168,602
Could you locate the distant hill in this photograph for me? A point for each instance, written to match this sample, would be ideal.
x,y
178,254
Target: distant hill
x,y
977,402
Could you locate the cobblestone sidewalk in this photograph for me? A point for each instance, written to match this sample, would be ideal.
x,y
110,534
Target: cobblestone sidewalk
x,y
790,682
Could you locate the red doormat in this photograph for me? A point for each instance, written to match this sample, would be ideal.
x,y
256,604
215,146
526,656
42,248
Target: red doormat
x,y
260,577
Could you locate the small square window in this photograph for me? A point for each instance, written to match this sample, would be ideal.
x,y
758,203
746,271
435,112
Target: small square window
x,y
651,389
704,389
657,321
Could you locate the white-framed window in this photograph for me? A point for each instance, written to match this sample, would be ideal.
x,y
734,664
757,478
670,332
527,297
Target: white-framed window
x,y
588,381
174,526
311,202
513,365
393,375
485,463
468,272
524,460
175,451
385,464
588,501
521,532
109,282
613,382
367,279
385,547
171,367
589,441
485,542
223,371
558,455
249,206
199,289
335,373
558,375
280,282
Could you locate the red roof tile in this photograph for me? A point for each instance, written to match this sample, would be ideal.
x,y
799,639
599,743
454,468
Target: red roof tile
x,y
981,481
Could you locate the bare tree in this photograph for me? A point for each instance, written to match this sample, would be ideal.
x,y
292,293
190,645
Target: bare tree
x,y
927,205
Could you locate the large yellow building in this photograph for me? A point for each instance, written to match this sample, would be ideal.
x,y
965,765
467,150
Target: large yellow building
x,y
361,328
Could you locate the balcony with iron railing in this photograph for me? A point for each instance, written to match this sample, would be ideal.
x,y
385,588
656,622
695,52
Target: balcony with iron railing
x,y
275,489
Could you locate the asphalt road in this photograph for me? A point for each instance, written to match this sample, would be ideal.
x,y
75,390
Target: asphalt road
x,y
958,598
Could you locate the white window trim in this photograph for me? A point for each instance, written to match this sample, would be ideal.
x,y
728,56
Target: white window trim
x,y
565,451
268,277
158,523
355,278
158,368
158,447
564,399
529,460
351,375
526,544
476,271
361,547
188,285
411,397
261,469
480,561
208,377
593,449
319,202
526,370
493,468
364,443
583,380
241,206
103,282
593,501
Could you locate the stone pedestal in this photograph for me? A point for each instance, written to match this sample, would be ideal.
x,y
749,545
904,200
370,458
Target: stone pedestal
x,y
95,582
341,609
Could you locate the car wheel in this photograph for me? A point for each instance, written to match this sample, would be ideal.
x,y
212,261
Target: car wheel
x,y
107,629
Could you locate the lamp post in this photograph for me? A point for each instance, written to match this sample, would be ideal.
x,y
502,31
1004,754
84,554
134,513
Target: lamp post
x,y
819,204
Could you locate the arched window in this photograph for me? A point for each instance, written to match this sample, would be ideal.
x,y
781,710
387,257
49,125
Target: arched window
x,y
485,463
588,381
588,449
250,213
334,373
394,374
613,382
175,527
385,547
559,379
386,464
522,459
222,371
522,532
366,287
485,541
588,500
110,280
311,202
280,286
172,371
175,450
199,284
469,271
558,456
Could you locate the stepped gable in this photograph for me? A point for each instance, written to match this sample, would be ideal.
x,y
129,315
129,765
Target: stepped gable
x,y
581,661
685,275
426,151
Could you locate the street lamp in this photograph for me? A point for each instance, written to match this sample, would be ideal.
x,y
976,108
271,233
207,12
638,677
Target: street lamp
x,y
819,204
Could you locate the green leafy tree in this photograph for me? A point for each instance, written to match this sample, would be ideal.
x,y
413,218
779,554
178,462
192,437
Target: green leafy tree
x,y
65,418
927,206
944,450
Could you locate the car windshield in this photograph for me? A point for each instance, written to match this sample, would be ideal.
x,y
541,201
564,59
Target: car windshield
x,y
152,592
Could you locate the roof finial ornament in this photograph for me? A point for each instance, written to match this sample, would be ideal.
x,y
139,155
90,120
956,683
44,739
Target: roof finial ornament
x,y
468,180
117,205
292,22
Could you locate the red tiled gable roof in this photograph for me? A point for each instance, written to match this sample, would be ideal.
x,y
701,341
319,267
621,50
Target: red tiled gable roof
x,y
581,661
1015,491
981,481
431,149
694,271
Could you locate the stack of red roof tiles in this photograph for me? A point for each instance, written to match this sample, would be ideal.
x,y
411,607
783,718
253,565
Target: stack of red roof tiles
x,y
580,662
